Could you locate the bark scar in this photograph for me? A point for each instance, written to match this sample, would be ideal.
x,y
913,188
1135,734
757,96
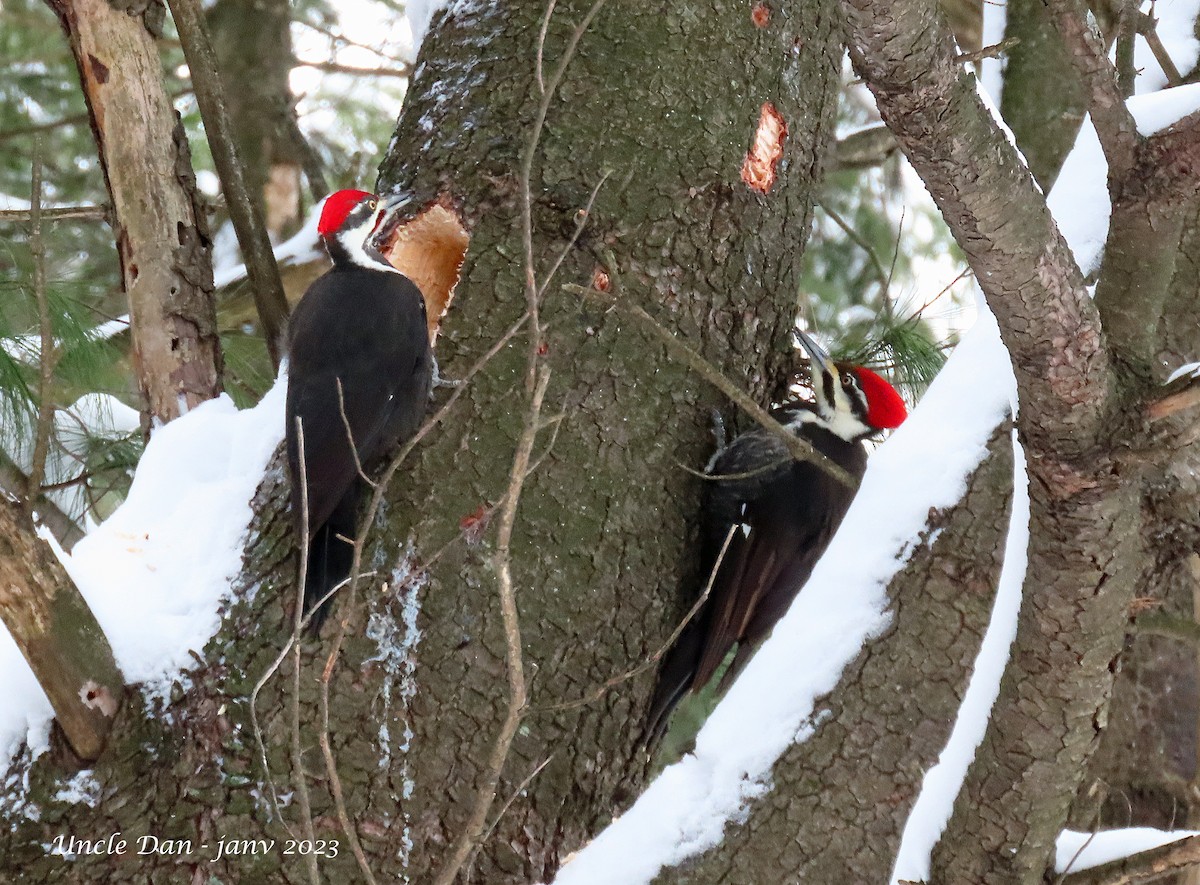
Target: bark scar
x,y
429,249
758,169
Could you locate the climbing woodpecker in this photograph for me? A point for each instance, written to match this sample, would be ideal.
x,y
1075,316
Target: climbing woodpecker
x,y
359,376
779,515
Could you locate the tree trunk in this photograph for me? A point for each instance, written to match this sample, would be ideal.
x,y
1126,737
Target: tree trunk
x,y
254,47
657,108
162,236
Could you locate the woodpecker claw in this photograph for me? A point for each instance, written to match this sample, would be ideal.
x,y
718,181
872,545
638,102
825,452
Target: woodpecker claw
x,y
439,381
718,429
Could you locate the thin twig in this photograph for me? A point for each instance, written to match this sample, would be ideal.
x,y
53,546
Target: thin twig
x,y
431,422
332,67
469,838
797,447
580,224
541,46
49,352
860,240
335,780
729,477
525,183
303,801
1148,28
362,474
603,689
342,38
261,269
512,797
993,51
59,213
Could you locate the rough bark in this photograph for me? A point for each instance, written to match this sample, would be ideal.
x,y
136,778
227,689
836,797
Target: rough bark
x,y
664,102
1146,768
841,798
162,237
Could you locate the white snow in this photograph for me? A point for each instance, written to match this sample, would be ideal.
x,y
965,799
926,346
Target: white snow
x,y
931,812
1081,851
1079,200
1158,110
1176,20
775,702
155,571
303,246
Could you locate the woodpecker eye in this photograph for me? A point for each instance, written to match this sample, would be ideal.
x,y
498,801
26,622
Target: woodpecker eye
x,y
372,205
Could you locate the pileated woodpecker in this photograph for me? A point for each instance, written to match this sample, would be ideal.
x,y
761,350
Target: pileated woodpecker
x,y
360,370
782,514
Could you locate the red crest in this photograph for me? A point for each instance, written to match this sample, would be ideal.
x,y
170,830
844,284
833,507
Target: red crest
x,y
337,207
885,407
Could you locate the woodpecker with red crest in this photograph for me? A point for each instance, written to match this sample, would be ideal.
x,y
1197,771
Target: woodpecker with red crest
x,y
779,515
360,371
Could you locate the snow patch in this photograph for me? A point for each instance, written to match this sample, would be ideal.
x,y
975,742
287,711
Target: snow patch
x,y
1080,851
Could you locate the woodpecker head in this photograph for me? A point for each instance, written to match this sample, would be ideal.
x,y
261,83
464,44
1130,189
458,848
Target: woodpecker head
x,y
347,222
851,402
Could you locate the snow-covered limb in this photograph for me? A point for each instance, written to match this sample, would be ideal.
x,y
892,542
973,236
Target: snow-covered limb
x,y
155,571
775,702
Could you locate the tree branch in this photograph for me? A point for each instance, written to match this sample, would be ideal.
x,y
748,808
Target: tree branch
x,y
468,840
58,635
1106,101
269,297
60,213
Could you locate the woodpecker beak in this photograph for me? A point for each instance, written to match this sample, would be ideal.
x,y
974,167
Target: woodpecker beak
x,y
394,202
816,354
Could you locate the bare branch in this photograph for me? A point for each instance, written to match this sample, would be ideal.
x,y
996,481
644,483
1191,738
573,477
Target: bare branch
x,y
882,275
1143,867
48,351
993,51
866,148
60,213
526,174
1175,402
330,67
1147,26
299,781
362,474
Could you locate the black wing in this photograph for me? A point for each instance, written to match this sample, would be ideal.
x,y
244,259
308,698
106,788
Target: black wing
x,y
360,369
367,330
